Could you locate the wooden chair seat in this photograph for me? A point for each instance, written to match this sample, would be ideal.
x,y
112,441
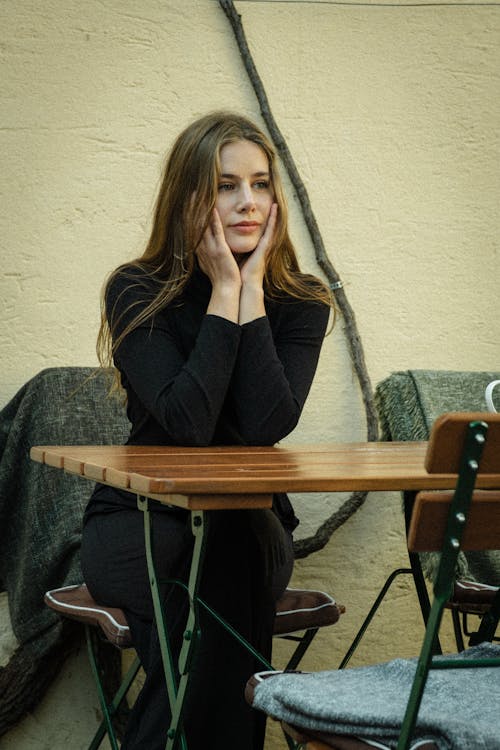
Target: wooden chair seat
x,y
303,609
326,741
471,597
296,610
77,603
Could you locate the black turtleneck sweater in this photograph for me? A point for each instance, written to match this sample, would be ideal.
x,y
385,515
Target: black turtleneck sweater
x,y
196,379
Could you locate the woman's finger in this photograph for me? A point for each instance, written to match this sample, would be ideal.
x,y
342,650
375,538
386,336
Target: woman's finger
x,y
268,233
267,236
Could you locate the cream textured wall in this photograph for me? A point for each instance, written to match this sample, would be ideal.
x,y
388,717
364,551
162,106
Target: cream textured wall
x,y
392,115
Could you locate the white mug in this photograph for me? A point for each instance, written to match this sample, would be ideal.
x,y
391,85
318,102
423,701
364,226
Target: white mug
x,y
489,395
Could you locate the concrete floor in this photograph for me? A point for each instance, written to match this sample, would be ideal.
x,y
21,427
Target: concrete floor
x,y
66,718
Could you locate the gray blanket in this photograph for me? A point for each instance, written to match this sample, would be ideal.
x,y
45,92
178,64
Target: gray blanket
x,y
40,518
408,403
459,710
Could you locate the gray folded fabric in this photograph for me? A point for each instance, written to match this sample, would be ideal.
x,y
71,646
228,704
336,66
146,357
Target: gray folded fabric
x,y
460,708
41,512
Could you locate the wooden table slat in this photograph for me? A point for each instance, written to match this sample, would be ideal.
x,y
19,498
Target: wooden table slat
x,y
241,470
117,477
53,458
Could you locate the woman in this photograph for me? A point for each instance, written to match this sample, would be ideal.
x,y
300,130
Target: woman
x,y
215,335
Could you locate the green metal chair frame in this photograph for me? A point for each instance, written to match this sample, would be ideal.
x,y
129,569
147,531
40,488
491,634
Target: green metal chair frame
x,y
460,609
109,709
101,624
463,444
445,449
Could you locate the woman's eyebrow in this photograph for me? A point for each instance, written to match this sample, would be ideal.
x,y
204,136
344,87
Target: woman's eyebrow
x,y
230,176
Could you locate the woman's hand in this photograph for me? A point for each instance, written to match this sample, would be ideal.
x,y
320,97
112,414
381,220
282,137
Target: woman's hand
x,y
252,272
217,262
237,291
253,268
215,257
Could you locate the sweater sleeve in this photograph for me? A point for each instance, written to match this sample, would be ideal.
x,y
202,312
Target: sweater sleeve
x,y
273,373
183,392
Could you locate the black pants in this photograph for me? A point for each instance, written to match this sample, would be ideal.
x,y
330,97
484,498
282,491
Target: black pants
x,y
114,568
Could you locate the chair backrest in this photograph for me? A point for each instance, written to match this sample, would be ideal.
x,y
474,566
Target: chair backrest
x,y
430,517
446,443
456,440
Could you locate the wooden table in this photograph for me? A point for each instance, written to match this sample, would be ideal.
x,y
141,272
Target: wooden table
x,y
215,478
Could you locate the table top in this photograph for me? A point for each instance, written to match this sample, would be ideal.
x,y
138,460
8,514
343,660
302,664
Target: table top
x,y
218,475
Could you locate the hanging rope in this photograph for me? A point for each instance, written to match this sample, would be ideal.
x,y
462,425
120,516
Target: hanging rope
x,y
304,547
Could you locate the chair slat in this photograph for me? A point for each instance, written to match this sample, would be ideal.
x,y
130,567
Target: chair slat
x,y
447,439
430,514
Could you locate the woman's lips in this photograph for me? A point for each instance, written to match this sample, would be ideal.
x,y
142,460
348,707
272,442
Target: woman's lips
x,y
245,227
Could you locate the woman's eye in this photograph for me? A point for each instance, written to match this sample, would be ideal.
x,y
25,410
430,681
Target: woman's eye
x,y
226,186
261,184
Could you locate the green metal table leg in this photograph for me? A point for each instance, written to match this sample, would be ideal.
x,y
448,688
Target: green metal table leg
x,y
192,632
174,732
176,690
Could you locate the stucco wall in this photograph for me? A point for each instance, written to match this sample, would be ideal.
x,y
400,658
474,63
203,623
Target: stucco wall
x,y
392,116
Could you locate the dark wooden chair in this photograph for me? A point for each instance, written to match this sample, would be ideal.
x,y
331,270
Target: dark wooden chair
x,y
300,613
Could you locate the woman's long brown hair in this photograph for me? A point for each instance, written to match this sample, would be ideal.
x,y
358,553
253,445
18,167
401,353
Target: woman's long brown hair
x,y
186,199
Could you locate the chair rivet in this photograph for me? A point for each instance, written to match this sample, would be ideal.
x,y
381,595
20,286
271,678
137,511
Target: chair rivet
x,y
455,543
460,517
188,634
473,464
197,521
171,733
480,438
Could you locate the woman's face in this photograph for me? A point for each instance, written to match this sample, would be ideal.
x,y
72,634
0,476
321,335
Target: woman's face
x,y
245,195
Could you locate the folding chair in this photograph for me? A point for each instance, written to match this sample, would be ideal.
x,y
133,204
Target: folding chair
x,y
447,522
467,598
300,613
407,403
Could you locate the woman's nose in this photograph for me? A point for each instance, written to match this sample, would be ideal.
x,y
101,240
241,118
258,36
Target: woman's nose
x,y
246,199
